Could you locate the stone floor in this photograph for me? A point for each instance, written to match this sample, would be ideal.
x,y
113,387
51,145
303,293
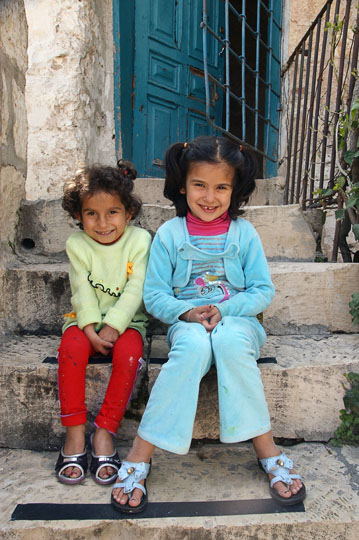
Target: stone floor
x,y
210,472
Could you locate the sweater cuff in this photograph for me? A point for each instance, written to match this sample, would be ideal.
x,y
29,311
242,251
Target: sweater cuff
x,y
88,316
117,321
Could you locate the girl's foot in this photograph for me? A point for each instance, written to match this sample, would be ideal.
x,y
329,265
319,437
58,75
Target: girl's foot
x,y
265,447
102,445
141,451
74,444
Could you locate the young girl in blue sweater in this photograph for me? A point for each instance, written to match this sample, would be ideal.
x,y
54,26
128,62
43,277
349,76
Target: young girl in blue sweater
x,y
208,278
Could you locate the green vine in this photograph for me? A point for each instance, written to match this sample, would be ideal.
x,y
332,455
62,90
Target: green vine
x,y
348,431
354,307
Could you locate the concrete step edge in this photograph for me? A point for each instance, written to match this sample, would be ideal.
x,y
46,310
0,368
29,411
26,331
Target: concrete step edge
x,y
210,472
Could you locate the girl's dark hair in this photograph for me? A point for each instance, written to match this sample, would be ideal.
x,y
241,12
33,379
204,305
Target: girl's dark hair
x,y
180,156
90,180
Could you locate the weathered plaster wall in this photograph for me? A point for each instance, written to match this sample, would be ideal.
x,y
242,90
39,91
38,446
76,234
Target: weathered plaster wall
x,y
69,91
13,129
301,15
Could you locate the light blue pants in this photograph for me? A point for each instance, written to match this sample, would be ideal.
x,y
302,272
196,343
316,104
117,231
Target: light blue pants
x,y
233,347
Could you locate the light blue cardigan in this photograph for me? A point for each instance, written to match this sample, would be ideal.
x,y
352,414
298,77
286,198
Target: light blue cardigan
x,y
170,266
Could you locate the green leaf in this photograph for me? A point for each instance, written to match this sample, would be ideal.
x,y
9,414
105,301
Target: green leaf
x,y
349,156
352,201
355,228
339,214
340,181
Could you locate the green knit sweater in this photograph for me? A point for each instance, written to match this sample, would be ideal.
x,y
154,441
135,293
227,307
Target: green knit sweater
x,y
107,281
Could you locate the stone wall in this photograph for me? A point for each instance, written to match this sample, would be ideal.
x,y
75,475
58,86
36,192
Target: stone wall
x,y
300,15
69,91
13,128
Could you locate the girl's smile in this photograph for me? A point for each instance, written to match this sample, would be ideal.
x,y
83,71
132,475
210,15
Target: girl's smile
x,y
209,189
104,217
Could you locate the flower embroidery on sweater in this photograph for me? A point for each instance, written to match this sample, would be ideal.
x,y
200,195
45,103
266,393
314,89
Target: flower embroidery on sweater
x,y
71,315
129,268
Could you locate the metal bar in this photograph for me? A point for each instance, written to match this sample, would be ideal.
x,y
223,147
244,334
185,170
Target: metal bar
x,y
269,71
290,138
296,133
241,101
338,225
257,75
310,117
227,65
243,72
318,99
205,60
302,134
326,115
339,90
354,63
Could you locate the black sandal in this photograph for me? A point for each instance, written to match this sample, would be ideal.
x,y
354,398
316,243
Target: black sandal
x,y
280,467
75,460
130,475
99,462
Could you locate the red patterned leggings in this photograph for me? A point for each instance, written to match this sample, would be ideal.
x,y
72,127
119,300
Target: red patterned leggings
x,y
74,352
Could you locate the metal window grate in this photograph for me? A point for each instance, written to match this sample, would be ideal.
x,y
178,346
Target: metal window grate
x,y
250,44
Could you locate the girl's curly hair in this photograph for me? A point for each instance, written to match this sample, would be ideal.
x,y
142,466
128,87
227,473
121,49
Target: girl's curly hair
x,y
97,178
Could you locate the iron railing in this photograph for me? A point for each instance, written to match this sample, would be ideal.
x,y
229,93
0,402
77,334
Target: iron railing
x,y
318,82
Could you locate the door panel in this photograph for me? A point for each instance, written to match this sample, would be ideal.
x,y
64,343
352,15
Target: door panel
x,y
169,93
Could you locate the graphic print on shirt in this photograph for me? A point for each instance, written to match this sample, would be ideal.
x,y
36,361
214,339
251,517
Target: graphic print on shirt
x,y
208,286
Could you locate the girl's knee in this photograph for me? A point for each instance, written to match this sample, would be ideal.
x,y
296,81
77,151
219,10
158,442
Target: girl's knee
x,y
237,328
74,343
193,343
235,337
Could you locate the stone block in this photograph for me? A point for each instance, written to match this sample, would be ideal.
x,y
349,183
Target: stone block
x,y
304,390
12,191
44,227
284,230
311,298
34,297
268,192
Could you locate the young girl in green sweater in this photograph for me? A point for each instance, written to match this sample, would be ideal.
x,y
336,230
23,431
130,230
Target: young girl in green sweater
x,y
108,259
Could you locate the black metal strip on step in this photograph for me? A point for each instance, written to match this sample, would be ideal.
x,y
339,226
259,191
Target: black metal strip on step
x,y
264,360
107,360
50,512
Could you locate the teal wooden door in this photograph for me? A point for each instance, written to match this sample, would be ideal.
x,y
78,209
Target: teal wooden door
x,y
168,85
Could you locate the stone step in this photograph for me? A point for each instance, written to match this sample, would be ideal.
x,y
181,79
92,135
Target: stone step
x,y
208,473
308,376
310,297
269,191
44,225
284,230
